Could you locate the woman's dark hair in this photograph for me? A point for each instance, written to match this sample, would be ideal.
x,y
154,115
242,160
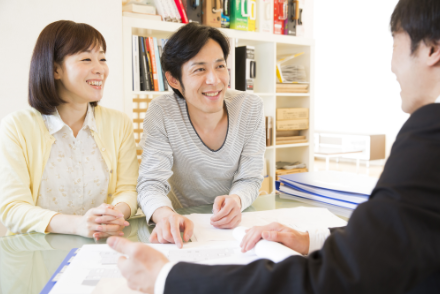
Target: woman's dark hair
x,y
185,44
420,19
56,41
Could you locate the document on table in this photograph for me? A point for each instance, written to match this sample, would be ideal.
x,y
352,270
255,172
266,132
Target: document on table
x,y
95,266
299,218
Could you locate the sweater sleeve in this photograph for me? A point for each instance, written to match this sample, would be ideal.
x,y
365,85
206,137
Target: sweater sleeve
x,y
248,178
18,211
127,168
156,164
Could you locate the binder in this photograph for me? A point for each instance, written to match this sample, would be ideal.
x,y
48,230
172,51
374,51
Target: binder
x,y
245,68
292,17
51,283
252,15
226,13
212,13
279,15
193,10
240,11
264,22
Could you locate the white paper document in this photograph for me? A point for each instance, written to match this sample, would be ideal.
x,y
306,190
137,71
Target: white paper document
x,y
299,218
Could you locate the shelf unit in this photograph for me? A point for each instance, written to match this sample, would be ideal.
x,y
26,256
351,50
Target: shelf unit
x,y
267,48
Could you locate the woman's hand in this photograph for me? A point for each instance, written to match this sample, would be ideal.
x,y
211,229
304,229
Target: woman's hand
x,y
295,240
101,222
168,227
227,212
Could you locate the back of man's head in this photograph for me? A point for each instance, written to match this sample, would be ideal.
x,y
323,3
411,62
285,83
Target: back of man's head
x,y
420,19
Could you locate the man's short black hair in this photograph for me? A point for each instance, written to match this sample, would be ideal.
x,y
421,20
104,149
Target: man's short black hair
x,y
420,19
185,44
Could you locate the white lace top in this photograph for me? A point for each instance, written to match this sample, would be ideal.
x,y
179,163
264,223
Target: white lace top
x,y
75,177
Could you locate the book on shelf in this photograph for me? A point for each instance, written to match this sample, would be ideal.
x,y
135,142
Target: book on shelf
x,y
153,63
280,139
158,65
149,66
181,10
143,16
135,64
174,11
143,72
162,9
160,45
292,113
139,8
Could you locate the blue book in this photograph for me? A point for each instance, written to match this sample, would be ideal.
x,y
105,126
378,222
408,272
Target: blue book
x,y
334,181
296,193
53,280
158,65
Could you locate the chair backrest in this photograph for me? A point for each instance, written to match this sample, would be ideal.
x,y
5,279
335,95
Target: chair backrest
x,y
140,106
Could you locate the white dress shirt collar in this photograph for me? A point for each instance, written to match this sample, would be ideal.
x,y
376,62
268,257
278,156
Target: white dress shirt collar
x,y
55,123
438,100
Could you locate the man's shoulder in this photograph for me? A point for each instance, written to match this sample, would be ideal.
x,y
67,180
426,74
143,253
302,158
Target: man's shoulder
x,y
244,100
165,101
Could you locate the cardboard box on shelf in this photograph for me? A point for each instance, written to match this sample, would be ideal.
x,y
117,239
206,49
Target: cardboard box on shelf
x,y
292,113
295,124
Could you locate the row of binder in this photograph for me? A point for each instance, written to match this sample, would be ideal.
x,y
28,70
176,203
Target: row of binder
x,y
338,189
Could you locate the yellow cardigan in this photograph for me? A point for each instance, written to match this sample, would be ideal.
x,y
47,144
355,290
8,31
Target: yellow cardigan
x,y
25,145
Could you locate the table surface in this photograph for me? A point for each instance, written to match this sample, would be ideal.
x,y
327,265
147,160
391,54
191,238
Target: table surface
x,y
27,261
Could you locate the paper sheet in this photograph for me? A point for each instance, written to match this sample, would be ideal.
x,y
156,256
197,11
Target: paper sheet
x,y
299,218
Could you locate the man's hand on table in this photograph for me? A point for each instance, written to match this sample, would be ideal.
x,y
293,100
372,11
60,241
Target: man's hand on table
x,y
142,266
169,224
295,240
227,212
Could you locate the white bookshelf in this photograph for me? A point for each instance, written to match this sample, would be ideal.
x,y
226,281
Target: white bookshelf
x,y
267,48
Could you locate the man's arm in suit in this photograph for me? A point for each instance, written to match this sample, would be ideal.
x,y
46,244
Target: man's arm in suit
x,y
390,245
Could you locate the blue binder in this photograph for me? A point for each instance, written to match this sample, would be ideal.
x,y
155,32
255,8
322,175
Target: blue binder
x,y
65,262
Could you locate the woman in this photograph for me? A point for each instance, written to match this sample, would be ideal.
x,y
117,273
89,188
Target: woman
x,y
67,165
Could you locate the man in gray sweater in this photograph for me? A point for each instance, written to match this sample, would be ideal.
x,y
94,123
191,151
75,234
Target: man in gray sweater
x,y
204,144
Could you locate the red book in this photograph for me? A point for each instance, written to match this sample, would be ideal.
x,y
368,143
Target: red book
x,y
182,11
153,62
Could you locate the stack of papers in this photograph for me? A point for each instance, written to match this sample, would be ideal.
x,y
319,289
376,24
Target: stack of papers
x,y
345,190
298,218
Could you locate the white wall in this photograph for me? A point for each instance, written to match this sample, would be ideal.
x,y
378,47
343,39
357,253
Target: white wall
x,y
22,21
355,89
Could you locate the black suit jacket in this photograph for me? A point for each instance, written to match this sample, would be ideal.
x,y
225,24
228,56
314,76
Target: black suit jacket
x,y
391,243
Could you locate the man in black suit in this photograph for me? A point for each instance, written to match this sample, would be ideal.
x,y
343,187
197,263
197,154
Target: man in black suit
x,y
391,243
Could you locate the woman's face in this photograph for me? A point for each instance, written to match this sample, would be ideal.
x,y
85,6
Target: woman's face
x,y
81,77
